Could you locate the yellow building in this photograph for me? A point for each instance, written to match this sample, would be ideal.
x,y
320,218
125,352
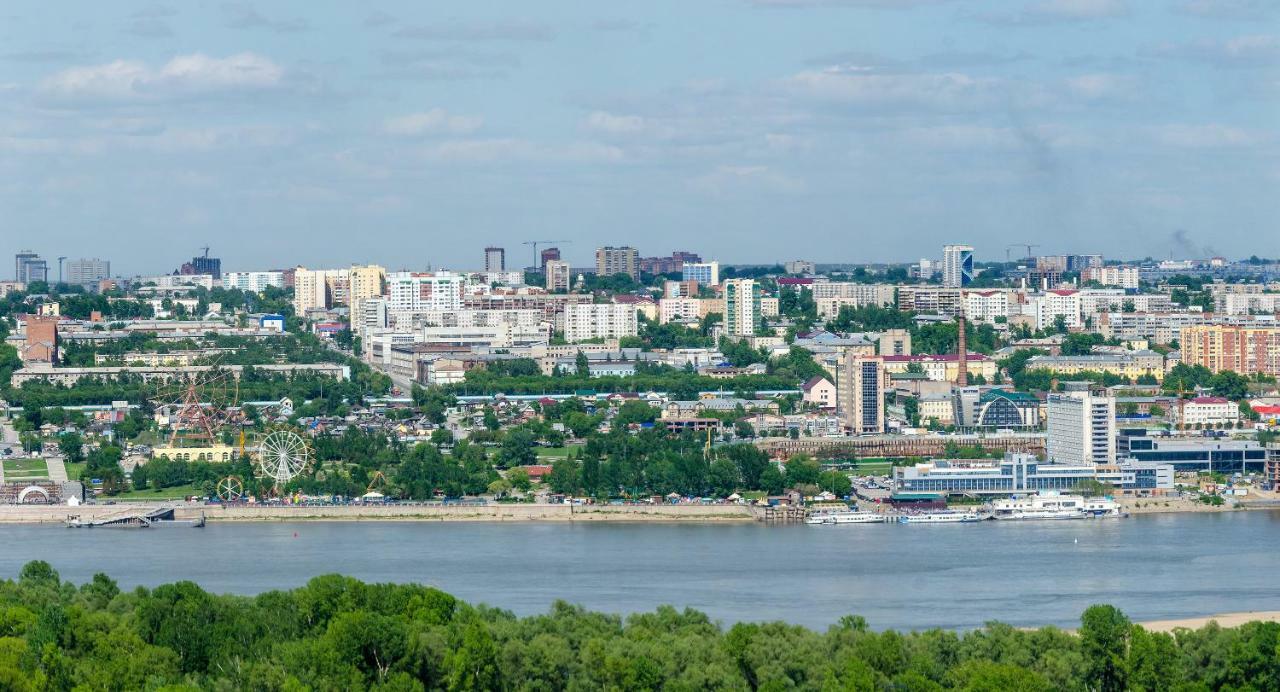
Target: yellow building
x,y
216,453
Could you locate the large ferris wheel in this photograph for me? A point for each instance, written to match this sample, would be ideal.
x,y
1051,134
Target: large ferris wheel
x,y
282,456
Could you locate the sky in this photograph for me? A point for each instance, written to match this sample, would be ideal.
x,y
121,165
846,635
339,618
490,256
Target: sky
x,y
413,134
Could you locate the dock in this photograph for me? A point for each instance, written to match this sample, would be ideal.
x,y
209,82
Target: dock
x,y
781,514
163,516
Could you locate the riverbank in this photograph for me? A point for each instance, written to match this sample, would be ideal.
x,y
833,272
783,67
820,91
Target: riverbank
x,y
1223,620
51,514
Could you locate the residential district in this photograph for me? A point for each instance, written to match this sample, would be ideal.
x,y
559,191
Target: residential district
x,y
937,390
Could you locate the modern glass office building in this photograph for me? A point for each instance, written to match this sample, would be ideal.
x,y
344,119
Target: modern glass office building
x,y
1023,473
1191,453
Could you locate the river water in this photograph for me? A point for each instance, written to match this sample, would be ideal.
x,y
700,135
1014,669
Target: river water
x,y
905,577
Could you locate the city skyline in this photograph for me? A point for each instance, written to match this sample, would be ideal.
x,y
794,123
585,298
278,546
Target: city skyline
x,y
764,129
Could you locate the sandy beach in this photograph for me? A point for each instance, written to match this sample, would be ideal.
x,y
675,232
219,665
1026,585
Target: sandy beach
x,y
1223,619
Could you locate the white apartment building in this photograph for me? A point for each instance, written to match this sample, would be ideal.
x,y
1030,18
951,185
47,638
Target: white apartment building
x,y
679,310
800,267
587,321
831,295
253,282
1082,429
742,309
87,272
1248,304
558,275
986,306
705,273
1123,276
414,292
957,266
1094,301
1048,306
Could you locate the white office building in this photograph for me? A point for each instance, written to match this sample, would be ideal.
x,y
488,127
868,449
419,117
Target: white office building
x,y
1082,428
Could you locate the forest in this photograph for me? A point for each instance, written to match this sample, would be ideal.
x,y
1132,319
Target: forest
x,y
337,633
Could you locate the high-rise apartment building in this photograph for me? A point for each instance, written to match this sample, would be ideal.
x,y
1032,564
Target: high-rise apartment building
x,y
551,253
742,307
495,259
29,268
87,272
860,393
618,260
1242,349
411,292
363,282
957,266
557,275
202,264
586,321
705,273
1082,428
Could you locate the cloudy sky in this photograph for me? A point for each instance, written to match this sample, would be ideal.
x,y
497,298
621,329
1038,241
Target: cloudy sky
x,y
836,130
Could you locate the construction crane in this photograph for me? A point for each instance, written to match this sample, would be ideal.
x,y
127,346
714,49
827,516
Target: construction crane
x,y
536,265
206,251
60,260
1028,246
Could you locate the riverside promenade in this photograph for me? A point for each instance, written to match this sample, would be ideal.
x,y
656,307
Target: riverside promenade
x,y
47,514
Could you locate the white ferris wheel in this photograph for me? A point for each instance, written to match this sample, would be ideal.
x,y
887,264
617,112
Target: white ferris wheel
x,y
282,455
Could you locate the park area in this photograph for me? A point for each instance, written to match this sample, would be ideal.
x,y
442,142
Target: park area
x,y
25,469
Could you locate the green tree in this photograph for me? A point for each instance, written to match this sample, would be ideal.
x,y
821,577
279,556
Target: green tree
x,y
71,444
1104,641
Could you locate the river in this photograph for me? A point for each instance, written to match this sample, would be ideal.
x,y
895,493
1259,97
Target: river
x,y
904,577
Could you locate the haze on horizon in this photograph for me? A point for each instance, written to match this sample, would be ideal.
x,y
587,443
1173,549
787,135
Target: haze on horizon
x,y
748,131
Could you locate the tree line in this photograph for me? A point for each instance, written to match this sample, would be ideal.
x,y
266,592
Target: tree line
x,y
339,633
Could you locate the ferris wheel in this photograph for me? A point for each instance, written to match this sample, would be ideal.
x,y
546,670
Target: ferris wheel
x,y
282,455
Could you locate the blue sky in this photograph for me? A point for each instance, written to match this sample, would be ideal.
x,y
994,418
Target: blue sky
x,y
415,133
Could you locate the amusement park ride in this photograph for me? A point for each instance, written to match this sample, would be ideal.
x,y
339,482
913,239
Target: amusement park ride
x,y
202,407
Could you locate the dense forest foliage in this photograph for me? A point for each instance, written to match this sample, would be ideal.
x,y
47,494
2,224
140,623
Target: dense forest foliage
x,y
337,633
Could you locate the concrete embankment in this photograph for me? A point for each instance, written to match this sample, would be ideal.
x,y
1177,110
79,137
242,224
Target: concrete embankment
x,y
38,514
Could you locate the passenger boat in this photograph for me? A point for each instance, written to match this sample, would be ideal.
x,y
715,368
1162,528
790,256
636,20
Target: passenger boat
x,y
946,516
1041,507
1054,506
850,517
1103,507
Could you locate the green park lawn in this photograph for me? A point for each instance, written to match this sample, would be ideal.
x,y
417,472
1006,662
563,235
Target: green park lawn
x,y
25,468
556,452
177,492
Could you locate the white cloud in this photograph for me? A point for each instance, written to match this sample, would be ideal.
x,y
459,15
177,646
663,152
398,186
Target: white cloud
x,y
728,179
187,76
609,123
1211,135
1100,86
866,88
434,121
1053,11
1080,9
512,150
495,31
